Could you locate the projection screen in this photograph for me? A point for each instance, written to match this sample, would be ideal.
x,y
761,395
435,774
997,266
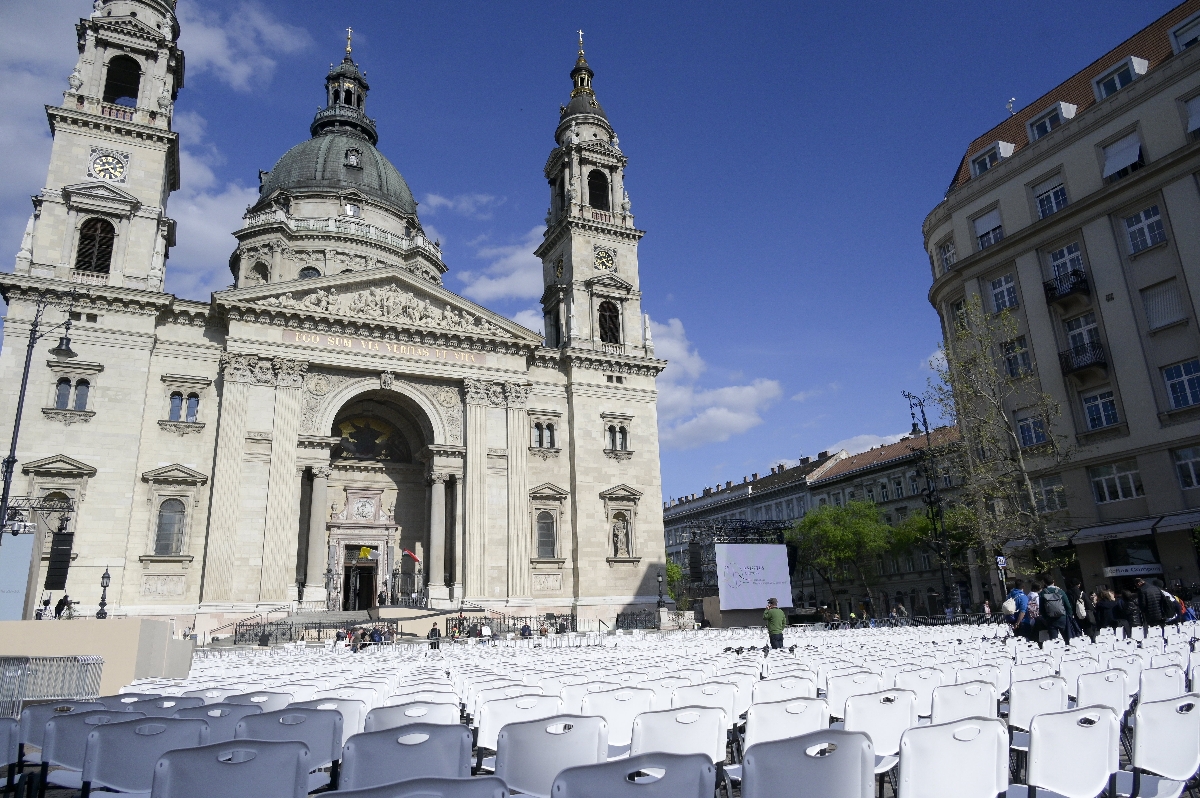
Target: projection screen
x,y
750,573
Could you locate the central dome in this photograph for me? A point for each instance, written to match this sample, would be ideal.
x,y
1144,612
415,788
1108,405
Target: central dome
x,y
339,161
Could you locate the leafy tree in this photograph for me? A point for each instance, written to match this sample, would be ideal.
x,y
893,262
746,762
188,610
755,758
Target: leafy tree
x,y
837,540
677,586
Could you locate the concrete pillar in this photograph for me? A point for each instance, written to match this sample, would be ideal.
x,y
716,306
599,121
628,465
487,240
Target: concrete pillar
x,y
459,497
519,578
474,572
437,537
237,373
283,498
314,575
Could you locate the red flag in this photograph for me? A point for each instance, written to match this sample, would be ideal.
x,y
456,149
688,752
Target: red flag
x,y
410,554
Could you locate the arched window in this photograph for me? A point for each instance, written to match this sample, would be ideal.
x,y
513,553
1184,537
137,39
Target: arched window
x,y
612,438
193,408
168,537
259,273
623,439
562,196
95,246
309,272
360,102
610,323
545,535
121,83
538,435
82,388
550,437
176,413
598,190
62,394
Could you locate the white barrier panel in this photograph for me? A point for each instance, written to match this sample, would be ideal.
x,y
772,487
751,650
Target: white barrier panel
x,y
750,573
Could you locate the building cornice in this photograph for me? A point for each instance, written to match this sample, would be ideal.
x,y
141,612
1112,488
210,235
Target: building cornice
x,y
16,287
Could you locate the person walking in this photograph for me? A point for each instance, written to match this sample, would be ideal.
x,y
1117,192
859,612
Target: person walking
x,y
1129,614
434,636
1150,603
1108,610
1054,603
1082,600
775,620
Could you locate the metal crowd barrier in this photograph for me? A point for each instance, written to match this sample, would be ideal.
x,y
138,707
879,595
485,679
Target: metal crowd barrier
x,y
26,680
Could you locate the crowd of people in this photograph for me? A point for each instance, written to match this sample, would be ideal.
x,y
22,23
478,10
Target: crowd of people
x,y
1035,607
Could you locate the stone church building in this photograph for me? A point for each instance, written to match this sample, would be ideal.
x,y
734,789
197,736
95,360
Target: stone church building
x,y
337,426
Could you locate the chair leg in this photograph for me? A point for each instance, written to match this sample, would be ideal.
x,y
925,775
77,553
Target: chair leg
x,y
85,790
1112,785
45,771
334,773
8,785
21,758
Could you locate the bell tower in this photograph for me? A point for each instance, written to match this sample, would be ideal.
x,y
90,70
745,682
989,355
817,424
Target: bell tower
x,y
592,298
101,217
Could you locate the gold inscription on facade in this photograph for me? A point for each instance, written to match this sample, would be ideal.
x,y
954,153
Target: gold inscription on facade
x,y
350,343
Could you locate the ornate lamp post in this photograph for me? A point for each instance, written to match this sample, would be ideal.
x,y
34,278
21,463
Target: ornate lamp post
x,y
931,496
105,581
661,603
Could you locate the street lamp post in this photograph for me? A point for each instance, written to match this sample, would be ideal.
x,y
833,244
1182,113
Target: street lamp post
x,y
661,603
932,497
105,581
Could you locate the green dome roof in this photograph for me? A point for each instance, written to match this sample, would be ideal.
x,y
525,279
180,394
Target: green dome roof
x,y
322,163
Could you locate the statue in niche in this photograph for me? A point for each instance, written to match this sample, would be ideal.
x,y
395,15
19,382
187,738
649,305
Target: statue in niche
x,y
620,536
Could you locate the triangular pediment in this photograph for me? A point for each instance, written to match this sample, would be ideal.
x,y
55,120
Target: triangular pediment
x,y
387,295
130,26
58,465
94,189
175,473
610,281
548,490
621,492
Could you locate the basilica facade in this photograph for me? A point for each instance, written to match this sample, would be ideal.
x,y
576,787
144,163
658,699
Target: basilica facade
x,y
337,427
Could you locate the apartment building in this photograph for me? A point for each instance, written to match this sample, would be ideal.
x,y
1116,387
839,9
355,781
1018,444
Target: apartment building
x,y
1080,214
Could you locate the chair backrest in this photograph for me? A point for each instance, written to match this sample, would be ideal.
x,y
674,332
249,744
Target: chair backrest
x,y
369,696
423,697
1162,684
619,708
884,716
720,695
572,695
381,718
953,702
122,701
121,756
682,776
484,787
65,739
1033,697
495,715
842,687
222,719
163,707
1071,670
967,758
416,751
1166,736
319,729
211,695
779,720
979,673
1104,689
783,688
686,730
10,740
259,768
353,713
1132,665
35,716
1074,752
922,682
530,755
831,763
269,701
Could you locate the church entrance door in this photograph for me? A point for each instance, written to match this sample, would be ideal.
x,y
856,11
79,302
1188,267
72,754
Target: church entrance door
x,y
358,591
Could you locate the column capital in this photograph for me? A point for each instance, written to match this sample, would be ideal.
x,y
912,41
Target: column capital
x,y
321,472
437,477
516,393
289,373
475,392
247,369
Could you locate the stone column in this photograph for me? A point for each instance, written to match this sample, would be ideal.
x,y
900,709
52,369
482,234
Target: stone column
x,y
238,373
318,514
283,500
459,554
474,570
519,578
436,571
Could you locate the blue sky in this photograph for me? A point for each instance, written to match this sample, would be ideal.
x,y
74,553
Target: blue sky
x,y
782,158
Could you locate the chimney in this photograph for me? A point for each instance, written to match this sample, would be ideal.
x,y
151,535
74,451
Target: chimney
x,y
745,480
805,460
728,484
754,476
822,455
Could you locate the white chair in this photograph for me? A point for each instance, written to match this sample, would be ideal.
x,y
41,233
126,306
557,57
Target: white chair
x,y
1161,684
980,673
121,701
386,717
784,688
842,687
1071,670
65,742
416,751
423,697
10,746
1104,689
1072,753
1166,748
953,702
1032,670
572,695
1030,698
163,707
35,716
367,695
319,729
825,764
247,767
353,713
780,720
530,755
619,708
645,776
122,756
687,730
269,701
222,719
495,715
884,717
922,683
486,787
721,695
967,758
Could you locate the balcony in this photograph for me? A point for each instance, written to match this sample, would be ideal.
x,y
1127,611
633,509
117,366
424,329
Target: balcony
x,y
1083,357
1073,283
120,112
89,278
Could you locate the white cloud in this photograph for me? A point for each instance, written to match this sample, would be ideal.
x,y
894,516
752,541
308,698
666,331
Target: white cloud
x,y
474,206
804,396
199,264
860,443
690,416
514,273
236,44
532,319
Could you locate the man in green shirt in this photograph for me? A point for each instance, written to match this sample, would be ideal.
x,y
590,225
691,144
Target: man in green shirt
x,y
775,620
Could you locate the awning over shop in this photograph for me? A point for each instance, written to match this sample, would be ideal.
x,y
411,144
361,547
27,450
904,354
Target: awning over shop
x,y
1141,526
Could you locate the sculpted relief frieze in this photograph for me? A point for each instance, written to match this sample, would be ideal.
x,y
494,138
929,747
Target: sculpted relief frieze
x,y
319,386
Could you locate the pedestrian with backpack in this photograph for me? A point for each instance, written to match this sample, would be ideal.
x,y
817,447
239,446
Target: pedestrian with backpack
x,y
1053,606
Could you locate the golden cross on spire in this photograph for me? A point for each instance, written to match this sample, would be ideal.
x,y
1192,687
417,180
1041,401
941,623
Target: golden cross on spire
x,y
580,41
349,32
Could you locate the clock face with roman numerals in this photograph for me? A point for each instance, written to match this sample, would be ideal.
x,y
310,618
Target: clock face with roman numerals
x,y
605,260
108,166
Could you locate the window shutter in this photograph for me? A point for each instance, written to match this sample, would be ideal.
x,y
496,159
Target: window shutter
x,y
989,221
1163,305
1193,109
1121,154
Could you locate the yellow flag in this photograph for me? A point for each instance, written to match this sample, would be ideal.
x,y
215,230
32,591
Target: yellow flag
x,y
364,553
